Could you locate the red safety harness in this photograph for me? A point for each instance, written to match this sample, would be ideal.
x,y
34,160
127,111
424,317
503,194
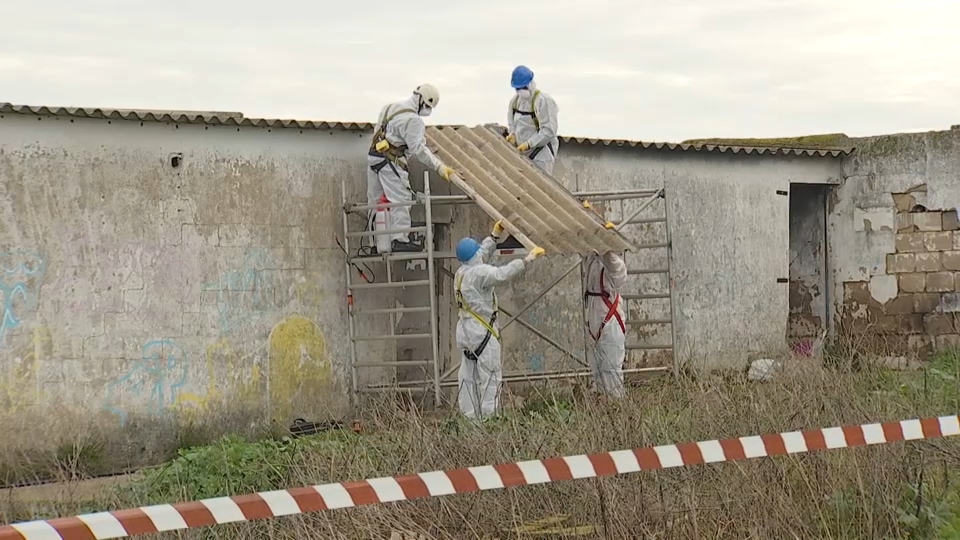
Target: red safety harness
x,y
612,307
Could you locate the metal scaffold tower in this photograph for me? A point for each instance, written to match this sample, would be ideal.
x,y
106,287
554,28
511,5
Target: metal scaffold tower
x,y
439,376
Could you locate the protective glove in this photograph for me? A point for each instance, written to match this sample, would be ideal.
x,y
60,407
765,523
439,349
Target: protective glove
x,y
497,229
609,225
523,147
534,253
512,139
445,172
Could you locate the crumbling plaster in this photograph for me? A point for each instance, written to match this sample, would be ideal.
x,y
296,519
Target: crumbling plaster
x,y
860,235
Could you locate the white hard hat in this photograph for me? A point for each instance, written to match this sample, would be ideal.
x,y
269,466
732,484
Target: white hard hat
x,y
429,94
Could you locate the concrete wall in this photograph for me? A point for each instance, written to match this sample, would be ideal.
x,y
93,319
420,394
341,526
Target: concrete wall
x,y
138,295
895,252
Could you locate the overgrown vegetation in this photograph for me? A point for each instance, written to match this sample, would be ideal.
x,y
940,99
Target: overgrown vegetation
x,y
904,490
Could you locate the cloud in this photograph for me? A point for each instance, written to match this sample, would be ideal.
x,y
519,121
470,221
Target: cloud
x,y
639,69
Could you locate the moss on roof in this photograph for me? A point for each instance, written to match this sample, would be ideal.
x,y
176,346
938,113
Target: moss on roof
x,y
814,142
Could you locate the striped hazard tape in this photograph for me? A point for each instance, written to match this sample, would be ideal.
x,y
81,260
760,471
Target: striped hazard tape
x,y
188,515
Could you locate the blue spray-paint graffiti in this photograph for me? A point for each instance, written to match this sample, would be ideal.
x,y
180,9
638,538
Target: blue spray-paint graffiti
x,y
242,294
155,379
21,275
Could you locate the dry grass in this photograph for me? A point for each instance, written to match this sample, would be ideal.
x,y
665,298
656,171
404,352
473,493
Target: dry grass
x,y
905,490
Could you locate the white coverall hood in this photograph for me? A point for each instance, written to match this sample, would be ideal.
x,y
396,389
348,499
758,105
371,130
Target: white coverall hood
x,y
605,342
480,378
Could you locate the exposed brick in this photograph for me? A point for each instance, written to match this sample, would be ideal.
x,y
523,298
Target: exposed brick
x,y
903,201
920,344
950,260
937,241
948,341
928,262
911,243
940,282
925,302
938,323
901,305
904,223
928,221
902,263
950,221
956,240
912,283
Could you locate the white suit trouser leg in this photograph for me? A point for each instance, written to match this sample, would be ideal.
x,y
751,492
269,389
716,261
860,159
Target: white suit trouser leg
x,y
606,360
393,182
479,394
544,160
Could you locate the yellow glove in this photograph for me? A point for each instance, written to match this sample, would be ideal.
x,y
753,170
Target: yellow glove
x,y
534,253
610,225
445,172
512,139
497,229
523,147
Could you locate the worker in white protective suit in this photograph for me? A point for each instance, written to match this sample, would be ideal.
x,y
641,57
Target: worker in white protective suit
x,y
532,121
478,335
603,280
399,132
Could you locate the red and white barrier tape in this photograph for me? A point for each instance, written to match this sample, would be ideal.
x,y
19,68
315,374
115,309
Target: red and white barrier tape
x,y
188,515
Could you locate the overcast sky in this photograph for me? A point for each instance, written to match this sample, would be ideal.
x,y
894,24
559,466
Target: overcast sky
x,y
664,70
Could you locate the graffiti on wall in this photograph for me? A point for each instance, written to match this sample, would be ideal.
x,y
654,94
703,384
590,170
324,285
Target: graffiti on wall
x,y
299,367
231,374
21,275
242,294
154,380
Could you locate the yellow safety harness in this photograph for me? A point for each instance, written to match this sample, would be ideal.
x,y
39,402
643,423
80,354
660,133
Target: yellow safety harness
x,y
491,331
380,147
533,114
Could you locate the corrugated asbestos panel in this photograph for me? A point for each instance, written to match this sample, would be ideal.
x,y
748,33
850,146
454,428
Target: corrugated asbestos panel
x,y
183,117
534,207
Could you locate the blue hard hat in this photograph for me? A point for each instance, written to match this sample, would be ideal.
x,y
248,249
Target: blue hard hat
x,y
466,249
521,77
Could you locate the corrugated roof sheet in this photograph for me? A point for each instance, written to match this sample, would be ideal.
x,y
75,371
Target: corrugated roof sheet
x,y
536,209
238,119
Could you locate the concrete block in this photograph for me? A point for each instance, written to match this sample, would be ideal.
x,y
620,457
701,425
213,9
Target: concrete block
x,y
928,221
950,221
912,283
905,222
925,302
920,343
903,263
949,302
937,324
948,341
937,241
903,201
901,305
940,282
951,260
910,243
928,262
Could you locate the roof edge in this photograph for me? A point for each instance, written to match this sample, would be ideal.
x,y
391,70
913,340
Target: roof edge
x,y
238,119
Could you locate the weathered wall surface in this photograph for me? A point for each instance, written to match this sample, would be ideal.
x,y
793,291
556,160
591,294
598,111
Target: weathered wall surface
x,y
894,255
137,295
